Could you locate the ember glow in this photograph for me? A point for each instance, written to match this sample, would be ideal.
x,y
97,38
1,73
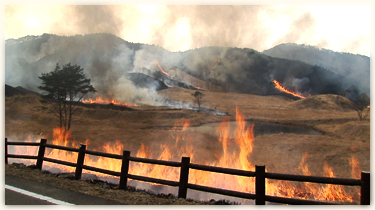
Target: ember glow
x,y
283,89
242,139
99,100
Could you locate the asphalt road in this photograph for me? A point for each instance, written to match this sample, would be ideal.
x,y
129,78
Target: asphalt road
x,y
25,192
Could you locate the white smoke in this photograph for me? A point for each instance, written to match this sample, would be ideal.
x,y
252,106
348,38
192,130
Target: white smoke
x,y
301,84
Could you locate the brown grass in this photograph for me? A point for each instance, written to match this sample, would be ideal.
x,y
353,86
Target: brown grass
x,y
344,136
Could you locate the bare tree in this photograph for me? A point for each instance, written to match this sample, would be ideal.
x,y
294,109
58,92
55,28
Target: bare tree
x,y
343,93
362,106
198,98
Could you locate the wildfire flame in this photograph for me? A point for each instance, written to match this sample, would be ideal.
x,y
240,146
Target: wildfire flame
x,y
164,72
216,64
161,69
283,89
199,88
99,100
242,139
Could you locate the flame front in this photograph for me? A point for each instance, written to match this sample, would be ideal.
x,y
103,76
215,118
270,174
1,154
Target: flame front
x,y
164,72
283,89
161,69
99,100
240,142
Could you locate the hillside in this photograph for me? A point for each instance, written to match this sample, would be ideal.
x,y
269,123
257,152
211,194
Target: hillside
x,y
107,60
326,102
354,66
11,91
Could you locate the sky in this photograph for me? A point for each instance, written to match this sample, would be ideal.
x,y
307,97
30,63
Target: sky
x,y
341,28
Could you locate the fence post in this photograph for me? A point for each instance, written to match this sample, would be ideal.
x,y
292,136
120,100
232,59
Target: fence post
x,y
80,160
42,149
184,177
365,188
6,151
124,170
260,185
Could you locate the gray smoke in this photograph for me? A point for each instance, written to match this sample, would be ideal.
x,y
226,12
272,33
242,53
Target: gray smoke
x,y
208,25
105,61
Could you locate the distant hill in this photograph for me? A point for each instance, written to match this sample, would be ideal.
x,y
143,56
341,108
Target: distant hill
x,y
346,64
11,91
107,60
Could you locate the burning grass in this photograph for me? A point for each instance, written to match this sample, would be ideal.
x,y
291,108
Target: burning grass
x,y
99,100
162,134
234,158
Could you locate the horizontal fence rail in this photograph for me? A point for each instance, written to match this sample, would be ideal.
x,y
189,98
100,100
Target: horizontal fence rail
x,y
61,162
154,180
158,162
183,185
52,146
315,179
222,191
222,170
21,156
103,171
24,143
102,154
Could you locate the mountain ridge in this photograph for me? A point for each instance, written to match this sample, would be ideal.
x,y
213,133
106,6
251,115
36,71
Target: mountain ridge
x,y
343,63
107,59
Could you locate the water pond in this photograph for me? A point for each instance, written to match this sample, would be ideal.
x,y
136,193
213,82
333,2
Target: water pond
x,y
259,129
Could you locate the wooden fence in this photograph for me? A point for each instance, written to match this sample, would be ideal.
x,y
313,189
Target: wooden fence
x,y
183,185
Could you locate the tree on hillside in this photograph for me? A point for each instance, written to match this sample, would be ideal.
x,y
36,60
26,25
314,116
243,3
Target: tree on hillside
x,y
64,86
198,98
361,104
342,93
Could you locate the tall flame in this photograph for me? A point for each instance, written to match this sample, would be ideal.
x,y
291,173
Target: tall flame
x,y
241,144
283,89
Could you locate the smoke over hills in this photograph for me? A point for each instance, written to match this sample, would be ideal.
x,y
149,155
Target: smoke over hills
x,y
107,60
353,66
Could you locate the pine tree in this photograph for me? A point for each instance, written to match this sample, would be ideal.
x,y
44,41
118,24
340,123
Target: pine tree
x,y
65,87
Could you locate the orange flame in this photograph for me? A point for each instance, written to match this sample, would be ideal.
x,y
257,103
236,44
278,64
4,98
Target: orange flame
x,y
161,69
99,100
217,63
199,88
164,72
283,89
237,148
354,163
334,192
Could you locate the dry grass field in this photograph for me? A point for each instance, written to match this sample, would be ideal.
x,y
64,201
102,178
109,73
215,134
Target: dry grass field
x,y
342,136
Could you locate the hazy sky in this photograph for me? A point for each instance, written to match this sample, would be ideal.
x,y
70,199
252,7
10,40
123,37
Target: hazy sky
x,y
343,28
